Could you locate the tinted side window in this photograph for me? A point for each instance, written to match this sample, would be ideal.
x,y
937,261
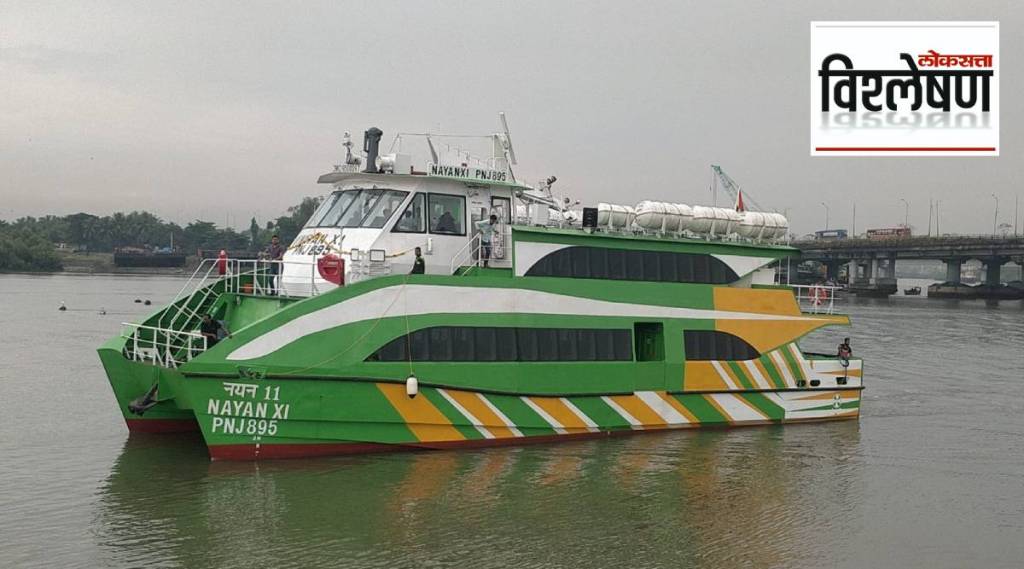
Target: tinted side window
x,y
582,262
706,345
491,344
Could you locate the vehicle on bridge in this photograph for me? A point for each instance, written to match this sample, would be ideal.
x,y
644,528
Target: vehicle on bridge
x,y
830,234
888,232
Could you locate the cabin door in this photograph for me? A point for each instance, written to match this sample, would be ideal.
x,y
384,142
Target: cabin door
x,y
501,207
649,347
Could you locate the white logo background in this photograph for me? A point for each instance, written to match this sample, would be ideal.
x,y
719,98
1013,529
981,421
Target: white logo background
x,y
925,132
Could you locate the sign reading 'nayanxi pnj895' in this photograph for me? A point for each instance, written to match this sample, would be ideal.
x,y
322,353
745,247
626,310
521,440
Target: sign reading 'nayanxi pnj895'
x,y
905,88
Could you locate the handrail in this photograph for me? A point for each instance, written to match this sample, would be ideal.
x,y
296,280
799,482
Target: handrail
x,y
455,263
821,299
165,350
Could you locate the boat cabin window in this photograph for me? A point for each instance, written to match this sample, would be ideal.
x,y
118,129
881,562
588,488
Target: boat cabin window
x,y
584,262
412,219
447,214
492,344
357,208
385,207
705,345
332,208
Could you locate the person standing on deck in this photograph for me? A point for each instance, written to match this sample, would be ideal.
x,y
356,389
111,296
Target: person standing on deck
x,y
487,229
213,330
418,266
275,254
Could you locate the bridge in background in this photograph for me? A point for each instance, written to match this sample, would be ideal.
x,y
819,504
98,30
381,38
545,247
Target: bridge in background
x,y
872,262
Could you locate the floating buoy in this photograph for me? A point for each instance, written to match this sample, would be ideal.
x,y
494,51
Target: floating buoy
x,y
138,300
103,311
62,306
412,386
148,302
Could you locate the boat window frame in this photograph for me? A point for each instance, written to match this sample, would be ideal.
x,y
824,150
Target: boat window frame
x,y
377,203
423,214
464,212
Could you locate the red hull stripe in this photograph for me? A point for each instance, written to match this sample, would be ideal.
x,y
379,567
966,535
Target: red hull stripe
x,y
905,148
162,425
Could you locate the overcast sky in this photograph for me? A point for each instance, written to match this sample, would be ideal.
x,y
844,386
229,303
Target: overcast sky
x,y
223,110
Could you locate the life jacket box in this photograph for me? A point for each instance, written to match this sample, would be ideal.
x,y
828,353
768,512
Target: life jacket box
x,y
590,217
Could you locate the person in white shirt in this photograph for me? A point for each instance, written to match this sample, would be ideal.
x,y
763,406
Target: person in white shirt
x,y
488,228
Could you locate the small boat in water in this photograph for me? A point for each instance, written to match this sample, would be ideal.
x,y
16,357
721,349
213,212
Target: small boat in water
x,y
402,318
912,291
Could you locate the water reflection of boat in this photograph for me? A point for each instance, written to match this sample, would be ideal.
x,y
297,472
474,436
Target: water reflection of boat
x,y
167,505
912,291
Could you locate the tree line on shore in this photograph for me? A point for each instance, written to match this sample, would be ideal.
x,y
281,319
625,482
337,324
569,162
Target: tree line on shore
x,y
29,243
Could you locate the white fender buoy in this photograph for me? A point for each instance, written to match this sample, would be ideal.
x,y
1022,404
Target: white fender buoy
x,y
412,386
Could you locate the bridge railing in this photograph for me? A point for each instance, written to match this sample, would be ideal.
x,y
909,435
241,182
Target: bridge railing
x,y
816,299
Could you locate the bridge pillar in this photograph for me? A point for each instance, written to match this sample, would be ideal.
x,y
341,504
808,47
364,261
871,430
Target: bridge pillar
x,y
953,267
874,271
993,268
832,270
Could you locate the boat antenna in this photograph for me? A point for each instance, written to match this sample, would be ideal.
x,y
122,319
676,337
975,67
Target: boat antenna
x,y
433,151
507,144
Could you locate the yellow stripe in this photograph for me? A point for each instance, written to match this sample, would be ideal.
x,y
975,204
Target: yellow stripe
x,y
471,402
560,412
639,410
701,376
423,419
679,407
840,373
847,394
732,375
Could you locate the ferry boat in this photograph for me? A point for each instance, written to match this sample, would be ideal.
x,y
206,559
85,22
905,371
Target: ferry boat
x,y
626,319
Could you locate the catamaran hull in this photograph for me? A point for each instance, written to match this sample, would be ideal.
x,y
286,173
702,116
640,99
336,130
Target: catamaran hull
x,y
131,380
269,419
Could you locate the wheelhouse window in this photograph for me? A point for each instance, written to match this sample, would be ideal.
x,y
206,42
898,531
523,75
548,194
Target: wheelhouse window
x,y
706,345
413,219
508,344
358,208
383,209
330,211
584,262
447,214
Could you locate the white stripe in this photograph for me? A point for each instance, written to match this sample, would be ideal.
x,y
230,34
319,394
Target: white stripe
x,y
436,299
582,416
725,376
743,265
800,361
625,414
737,410
780,363
511,426
667,412
759,379
559,428
477,423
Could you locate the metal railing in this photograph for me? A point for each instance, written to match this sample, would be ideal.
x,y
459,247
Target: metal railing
x,y
241,276
470,252
161,346
816,299
469,255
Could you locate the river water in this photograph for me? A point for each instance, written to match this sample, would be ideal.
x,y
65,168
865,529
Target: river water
x,y
932,475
